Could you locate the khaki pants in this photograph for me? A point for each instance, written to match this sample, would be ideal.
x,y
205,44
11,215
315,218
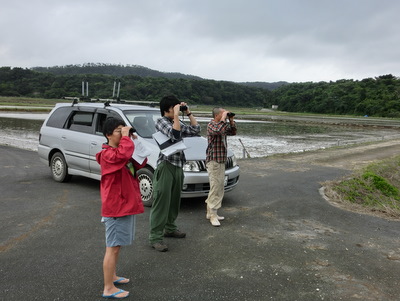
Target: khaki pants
x,y
216,174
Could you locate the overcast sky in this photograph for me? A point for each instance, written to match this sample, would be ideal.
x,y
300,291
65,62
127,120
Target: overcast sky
x,y
234,40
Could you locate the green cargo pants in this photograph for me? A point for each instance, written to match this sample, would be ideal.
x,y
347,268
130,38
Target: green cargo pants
x,y
167,181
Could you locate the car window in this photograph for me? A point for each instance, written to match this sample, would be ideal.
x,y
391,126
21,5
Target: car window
x,y
81,121
143,121
59,117
101,119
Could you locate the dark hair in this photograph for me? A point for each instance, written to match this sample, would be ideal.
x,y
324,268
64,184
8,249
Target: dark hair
x,y
167,102
111,124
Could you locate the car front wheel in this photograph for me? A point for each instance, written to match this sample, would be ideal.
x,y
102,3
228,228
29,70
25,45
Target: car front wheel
x,y
59,168
145,177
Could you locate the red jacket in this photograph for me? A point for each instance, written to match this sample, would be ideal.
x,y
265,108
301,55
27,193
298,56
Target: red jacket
x,y
120,193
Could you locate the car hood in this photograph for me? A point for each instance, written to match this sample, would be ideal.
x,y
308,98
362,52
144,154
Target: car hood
x,y
196,148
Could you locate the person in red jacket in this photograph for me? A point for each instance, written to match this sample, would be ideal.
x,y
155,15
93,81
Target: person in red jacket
x,y
120,197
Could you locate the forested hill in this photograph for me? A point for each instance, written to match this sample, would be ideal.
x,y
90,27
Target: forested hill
x,y
122,70
265,85
31,83
378,96
110,69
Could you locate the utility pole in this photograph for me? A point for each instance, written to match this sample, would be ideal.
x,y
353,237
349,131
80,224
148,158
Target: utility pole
x,y
116,95
85,83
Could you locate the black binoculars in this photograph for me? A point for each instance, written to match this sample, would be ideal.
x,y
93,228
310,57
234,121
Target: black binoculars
x,y
132,130
183,108
230,114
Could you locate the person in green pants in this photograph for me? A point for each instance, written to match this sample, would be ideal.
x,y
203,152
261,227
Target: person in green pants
x,y
168,176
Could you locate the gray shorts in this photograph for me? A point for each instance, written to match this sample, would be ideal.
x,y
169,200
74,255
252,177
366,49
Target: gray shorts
x,y
120,231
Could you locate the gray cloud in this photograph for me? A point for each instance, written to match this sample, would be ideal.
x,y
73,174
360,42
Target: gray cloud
x,y
238,40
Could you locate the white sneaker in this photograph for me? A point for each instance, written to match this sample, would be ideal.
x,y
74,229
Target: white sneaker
x,y
208,215
214,221
220,218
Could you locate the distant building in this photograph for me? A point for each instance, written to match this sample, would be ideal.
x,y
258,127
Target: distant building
x,y
274,107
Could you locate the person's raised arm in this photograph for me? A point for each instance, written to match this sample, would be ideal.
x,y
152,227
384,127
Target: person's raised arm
x,y
189,114
177,123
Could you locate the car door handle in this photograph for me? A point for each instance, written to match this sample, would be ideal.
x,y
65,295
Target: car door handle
x,y
63,137
94,143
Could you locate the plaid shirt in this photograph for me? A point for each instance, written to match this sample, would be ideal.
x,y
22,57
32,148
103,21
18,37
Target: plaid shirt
x,y
217,143
164,125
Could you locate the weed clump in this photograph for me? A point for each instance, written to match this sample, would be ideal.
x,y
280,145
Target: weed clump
x,y
376,187
381,184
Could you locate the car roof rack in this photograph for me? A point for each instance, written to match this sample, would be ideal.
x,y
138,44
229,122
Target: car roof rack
x,y
107,102
115,97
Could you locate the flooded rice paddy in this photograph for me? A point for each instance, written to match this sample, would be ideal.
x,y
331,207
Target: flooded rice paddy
x,y
254,139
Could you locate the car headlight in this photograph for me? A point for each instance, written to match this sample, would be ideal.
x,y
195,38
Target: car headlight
x,y
192,166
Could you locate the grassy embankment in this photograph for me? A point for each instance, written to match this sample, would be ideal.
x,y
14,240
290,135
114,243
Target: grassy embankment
x,y
374,189
23,104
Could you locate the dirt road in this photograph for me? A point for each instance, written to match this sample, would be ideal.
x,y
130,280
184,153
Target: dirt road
x,y
348,157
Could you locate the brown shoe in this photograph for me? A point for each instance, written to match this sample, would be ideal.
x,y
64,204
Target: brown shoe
x,y
160,246
175,234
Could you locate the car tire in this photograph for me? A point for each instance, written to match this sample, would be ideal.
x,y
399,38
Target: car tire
x,y
145,177
59,168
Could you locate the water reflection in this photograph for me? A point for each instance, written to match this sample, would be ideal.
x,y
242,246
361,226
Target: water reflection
x,y
22,133
20,124
259,138
257,129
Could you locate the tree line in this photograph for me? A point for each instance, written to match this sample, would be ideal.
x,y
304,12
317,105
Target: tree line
x,y
379,96
30,83
111,69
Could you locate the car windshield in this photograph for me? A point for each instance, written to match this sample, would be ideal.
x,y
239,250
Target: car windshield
x,y
143,121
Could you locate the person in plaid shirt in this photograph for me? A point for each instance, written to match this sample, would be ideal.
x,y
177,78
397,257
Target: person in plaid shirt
x,y
168,176
217,130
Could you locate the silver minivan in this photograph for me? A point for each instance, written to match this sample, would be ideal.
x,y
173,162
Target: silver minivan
x,y
72,134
